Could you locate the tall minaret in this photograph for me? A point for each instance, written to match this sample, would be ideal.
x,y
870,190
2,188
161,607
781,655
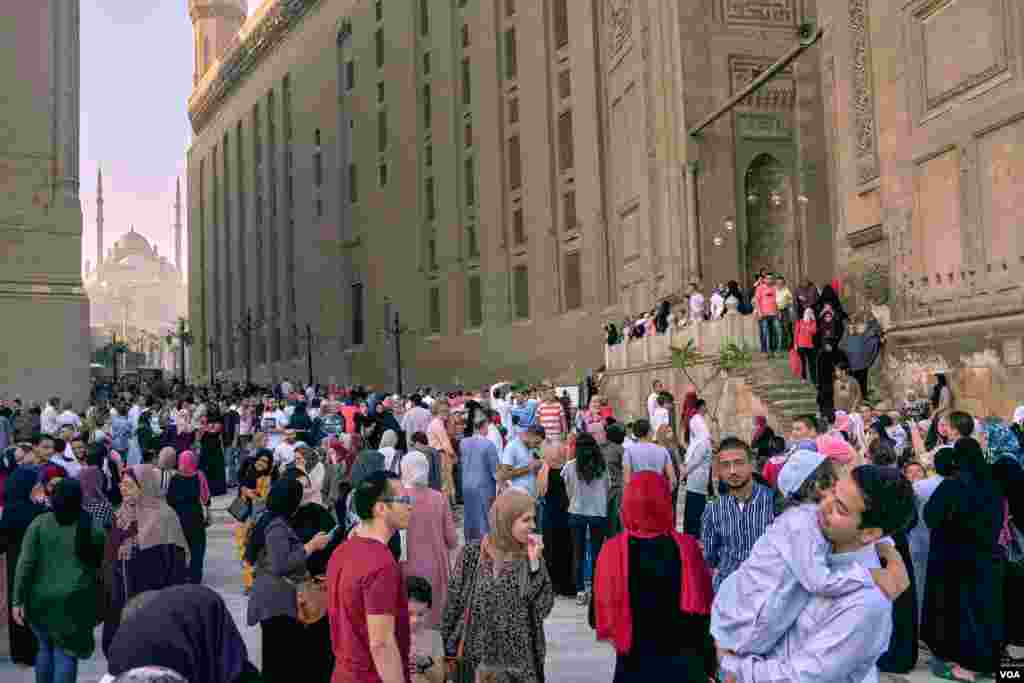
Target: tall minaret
x,y
99,217
177,227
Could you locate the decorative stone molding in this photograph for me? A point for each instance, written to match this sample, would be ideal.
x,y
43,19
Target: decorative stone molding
x,y
869,235
863,93
778,93
244,56
760,13
620,24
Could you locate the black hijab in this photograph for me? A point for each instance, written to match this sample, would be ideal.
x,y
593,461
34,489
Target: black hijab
x,y
67,508
829,296
187,629
984,499
19,509
283,501
940,382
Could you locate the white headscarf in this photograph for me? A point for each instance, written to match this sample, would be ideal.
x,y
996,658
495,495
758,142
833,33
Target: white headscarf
x,y
415,470
387,449
808,315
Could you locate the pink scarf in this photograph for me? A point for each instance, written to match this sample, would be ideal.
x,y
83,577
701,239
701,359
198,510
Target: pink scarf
x,y
188,465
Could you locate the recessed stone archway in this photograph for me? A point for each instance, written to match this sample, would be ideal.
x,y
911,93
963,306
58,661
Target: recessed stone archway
x,y
770,218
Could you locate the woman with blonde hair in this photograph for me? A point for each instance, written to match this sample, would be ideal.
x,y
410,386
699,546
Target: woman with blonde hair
x,y
430,536
498,598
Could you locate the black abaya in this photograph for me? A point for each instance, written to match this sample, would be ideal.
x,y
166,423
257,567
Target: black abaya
x,y
668,644
901,657
558,535
18,514
963,604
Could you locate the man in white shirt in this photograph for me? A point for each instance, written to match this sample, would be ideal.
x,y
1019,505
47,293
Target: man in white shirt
x,y
661,416
416,418
69,418
284,454
652,401
48,420
275,429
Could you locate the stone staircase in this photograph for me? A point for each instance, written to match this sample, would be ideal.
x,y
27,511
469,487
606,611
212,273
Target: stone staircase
x,y
771,380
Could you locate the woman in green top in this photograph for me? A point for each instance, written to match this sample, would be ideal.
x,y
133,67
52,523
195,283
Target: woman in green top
x,y
55,587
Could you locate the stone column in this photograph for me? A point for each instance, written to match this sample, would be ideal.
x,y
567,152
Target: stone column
x,y
41,243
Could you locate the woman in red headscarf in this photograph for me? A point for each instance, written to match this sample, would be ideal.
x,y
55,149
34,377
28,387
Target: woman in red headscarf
x,y
652,592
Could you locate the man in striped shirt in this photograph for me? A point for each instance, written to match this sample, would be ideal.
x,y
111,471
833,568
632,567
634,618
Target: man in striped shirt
x,y
551,416
733,522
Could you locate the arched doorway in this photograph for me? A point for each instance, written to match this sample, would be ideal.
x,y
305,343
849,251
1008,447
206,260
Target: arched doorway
x,y
771,221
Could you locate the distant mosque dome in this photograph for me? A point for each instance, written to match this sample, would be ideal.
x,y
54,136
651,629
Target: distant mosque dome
x,y
133,242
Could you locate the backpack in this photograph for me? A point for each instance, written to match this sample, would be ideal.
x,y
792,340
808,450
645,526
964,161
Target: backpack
x,y
331,425
145,433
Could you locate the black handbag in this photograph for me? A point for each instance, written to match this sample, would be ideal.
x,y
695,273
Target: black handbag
x,y
240,508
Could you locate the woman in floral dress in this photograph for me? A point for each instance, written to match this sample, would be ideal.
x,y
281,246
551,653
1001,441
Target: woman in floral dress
x,y
498,598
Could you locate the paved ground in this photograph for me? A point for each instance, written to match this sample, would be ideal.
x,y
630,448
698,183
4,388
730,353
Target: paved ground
x,y
573,654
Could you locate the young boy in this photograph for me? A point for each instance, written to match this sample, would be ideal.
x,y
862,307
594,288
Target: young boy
x,y
426,660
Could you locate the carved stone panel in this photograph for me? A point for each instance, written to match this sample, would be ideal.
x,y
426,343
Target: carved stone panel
x,y
863,94
619,24
777,93
782,13
762,127
963,46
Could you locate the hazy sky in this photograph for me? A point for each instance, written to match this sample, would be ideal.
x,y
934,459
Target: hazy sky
x,y
136,78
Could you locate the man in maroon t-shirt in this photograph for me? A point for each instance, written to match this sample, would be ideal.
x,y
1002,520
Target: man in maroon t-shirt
x,y
366,597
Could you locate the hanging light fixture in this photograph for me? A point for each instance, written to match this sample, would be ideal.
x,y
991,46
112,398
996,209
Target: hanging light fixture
x,y
752,198
802,198
718,241
730,224
776,199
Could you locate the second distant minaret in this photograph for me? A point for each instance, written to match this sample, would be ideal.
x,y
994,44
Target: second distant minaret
x,y
99,218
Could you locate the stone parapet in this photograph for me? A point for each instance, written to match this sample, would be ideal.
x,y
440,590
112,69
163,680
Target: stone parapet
x,y
708,338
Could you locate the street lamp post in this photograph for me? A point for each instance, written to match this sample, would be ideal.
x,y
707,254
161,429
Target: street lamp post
x,y
209,346
184,338
245,329
308,338
395,330
113,355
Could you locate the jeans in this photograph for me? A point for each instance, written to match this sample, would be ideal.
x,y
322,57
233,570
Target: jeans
x,y
693,513
53,665
579,525
233,457
771,333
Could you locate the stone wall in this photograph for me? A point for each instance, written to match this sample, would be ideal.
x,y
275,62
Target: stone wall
x,y
632,367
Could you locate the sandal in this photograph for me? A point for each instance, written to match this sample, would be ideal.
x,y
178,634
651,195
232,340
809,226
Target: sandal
x,y
948,674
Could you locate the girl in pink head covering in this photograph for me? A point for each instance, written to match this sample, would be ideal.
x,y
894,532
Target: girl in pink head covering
x,y
188,466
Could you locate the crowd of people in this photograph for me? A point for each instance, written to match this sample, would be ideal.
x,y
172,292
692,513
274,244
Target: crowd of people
x,y
827,347
817,557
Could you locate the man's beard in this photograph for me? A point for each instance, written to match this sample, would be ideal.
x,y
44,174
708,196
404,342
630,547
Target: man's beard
x,y
736,487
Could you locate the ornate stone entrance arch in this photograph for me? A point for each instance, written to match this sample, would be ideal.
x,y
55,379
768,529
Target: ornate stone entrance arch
x,y
771,228
768,229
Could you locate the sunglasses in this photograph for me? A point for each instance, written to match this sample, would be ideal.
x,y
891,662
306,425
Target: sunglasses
x,y
404,500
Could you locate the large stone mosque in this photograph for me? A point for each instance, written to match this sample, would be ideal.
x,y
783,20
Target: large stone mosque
x,y
136,293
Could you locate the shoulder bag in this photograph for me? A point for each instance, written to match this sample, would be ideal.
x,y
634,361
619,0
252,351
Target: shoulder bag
x,y
240,508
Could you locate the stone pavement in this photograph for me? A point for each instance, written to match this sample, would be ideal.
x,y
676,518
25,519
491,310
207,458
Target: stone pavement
x,y
573,654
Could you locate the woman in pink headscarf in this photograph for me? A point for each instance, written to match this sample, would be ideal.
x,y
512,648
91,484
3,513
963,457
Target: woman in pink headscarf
x,y
189,495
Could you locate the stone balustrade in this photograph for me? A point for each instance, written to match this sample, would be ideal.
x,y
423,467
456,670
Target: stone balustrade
x,y
708,337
